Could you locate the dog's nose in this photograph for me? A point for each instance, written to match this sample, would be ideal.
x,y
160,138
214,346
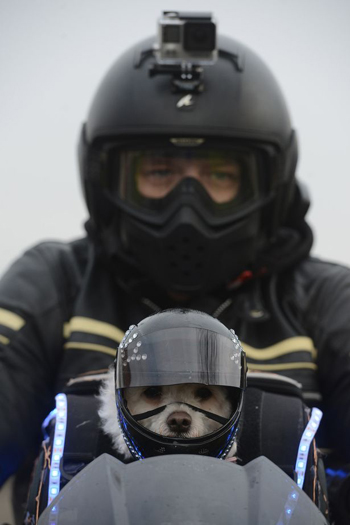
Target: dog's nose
x,y
179,422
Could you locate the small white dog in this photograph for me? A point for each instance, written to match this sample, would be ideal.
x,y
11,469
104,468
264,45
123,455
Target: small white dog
x,y
176,420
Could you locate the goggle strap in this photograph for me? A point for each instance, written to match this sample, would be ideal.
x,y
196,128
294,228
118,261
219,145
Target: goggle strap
x,y
210,415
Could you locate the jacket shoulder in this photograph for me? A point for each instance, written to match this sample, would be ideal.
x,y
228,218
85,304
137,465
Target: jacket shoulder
x,y
314,288
44,276
317,272
320,294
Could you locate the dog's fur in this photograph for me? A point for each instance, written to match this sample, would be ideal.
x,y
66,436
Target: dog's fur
x,y
176,420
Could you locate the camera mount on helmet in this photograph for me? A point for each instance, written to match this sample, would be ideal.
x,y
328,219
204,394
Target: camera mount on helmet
x,y
186,44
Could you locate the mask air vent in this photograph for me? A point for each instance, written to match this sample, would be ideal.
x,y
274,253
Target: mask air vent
x,y
185,257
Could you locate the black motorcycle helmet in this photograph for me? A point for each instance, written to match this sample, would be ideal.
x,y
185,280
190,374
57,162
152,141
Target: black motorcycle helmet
x,y
238,111
179,346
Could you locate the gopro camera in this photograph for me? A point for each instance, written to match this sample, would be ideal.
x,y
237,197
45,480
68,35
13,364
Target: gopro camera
x,y
186,38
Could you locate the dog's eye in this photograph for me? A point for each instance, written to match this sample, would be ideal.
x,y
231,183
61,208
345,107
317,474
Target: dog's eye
x,y
153,392
203,393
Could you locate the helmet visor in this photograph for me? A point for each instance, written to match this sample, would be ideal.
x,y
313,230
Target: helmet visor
x,y
154,179
177,356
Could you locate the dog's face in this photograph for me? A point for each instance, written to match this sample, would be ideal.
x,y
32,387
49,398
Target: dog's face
x,y
178,419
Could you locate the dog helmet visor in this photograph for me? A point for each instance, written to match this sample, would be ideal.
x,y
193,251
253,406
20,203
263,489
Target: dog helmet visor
x,y
180,355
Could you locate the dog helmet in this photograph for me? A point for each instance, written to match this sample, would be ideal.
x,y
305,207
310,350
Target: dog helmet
x,y
238,114
178,347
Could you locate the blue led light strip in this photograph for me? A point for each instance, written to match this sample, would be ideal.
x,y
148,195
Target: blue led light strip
x,y
304,446
58,446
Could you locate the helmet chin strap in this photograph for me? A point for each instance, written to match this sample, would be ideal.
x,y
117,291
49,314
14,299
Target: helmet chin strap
x,y
210,415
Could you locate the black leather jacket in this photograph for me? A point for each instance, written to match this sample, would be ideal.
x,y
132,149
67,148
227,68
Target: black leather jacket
x,y
62,313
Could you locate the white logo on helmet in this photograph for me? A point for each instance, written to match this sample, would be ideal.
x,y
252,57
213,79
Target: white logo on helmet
x,y
185,102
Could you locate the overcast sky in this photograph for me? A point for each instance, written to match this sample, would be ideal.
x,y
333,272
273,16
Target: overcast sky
x,y
53,54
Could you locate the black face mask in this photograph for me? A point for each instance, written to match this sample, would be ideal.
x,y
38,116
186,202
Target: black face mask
x,y
177,239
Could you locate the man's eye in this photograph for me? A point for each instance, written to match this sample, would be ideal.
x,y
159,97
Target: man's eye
x,y
203,393
153,392
224,176
160,173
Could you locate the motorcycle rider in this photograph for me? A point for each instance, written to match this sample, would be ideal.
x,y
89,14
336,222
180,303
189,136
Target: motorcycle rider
x,y
189,178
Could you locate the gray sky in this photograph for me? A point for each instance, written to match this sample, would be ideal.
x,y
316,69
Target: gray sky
x,y
53,53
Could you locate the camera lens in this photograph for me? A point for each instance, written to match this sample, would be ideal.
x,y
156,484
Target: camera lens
x,y
199,36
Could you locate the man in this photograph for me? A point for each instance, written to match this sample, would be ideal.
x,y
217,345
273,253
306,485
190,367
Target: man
x,y
189,178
